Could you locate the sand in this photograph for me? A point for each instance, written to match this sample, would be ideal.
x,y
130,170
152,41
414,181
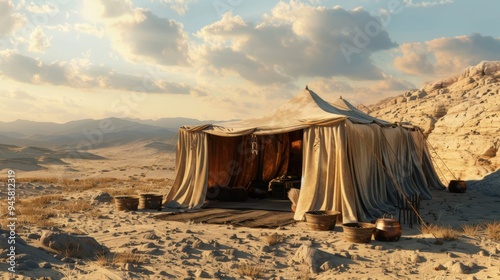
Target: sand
x,y
185,250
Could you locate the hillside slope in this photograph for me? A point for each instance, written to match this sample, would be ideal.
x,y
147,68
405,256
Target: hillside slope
x,y
460,115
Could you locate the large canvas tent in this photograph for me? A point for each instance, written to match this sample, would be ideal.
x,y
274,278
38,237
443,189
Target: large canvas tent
x,y
348,161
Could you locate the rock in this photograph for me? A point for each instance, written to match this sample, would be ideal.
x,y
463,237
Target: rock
x,y
328,265
150,236
265,249
33,236
200,273
311,257
73,245
459,267
197,244
101,197
46,265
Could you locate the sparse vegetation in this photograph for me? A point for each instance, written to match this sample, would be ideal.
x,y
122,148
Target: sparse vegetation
x,y
493,230
128,257
273,239
113,259
445,233
246,269
470,229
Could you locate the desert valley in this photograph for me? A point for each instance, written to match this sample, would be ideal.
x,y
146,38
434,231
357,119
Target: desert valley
x,y
66,176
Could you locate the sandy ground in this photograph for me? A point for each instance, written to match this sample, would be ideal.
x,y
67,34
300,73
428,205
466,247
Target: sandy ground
x,y
130,161
183,250
186,250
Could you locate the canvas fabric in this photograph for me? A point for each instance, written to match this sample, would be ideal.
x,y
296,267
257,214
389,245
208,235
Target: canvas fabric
x,y
351,162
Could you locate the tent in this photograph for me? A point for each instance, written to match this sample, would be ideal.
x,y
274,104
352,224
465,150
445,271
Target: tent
x,y
348,161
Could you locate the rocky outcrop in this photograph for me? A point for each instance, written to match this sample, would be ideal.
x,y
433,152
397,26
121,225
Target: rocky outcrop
x,y
459,114
78,246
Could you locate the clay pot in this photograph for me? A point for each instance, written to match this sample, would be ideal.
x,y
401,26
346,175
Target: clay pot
x,y
457,186
387,230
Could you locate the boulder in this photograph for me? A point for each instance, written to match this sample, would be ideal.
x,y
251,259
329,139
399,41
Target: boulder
x,y
79,246
101,197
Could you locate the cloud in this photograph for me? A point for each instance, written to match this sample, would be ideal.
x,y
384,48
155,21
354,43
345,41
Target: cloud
x,y
9,20
138,34
296,41
179,6
425,4
48,8
107,9
38,42
392,84
81,74
446,56
88,29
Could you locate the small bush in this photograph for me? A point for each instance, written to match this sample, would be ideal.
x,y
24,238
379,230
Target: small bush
x,y
246,269
273,239
493,230
470,229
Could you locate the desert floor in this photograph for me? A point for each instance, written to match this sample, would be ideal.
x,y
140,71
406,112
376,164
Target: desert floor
x,y
142,247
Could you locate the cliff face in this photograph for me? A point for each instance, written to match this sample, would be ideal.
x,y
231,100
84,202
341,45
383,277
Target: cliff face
x,y
460,115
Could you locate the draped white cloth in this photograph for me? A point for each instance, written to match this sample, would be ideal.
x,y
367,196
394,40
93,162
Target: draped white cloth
x,y
352,162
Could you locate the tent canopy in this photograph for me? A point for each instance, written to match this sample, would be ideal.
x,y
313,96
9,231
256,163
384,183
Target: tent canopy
x,y
303,110
350,161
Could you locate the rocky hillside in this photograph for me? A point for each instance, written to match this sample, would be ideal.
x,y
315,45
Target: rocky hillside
x,y
460,115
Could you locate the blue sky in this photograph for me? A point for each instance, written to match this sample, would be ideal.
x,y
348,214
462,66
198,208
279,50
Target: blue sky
x,y
64,60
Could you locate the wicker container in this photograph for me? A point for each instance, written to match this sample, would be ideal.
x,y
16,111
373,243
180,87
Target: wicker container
x,y
358,232
150,201
124,202
321,220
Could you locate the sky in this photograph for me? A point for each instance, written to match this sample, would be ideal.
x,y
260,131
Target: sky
x,y
64,60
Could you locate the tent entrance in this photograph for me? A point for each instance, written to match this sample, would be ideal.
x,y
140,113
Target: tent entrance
x,y
247,161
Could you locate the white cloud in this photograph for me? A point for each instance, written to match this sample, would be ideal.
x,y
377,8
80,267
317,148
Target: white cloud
x,y
9,20
48,8
88,29
179,6
295,41
138,34
425,4
446,56
106,9
38,42
79,73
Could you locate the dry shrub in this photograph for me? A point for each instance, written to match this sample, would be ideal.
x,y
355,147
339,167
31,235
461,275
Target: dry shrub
x,y
470,229
95,213
446,233
246,269
128,257
493,230
41,221
43,200
74,207
103,260
273,239
120,191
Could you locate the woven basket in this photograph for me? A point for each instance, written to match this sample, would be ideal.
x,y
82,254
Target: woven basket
x,y
150,201
358,232
321,220
124,202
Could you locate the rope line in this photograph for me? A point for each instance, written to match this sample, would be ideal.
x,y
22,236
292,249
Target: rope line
x,y
444,163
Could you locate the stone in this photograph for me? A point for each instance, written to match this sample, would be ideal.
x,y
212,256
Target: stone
x,y
79,246
101,197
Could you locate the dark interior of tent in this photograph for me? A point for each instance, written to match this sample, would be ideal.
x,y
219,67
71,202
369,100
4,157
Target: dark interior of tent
x,y
244,166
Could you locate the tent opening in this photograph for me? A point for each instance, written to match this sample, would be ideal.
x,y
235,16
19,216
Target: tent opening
x,y
241,160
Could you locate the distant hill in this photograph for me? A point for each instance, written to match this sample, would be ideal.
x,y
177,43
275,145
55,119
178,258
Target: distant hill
x,y
85,134
172,123
461,116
